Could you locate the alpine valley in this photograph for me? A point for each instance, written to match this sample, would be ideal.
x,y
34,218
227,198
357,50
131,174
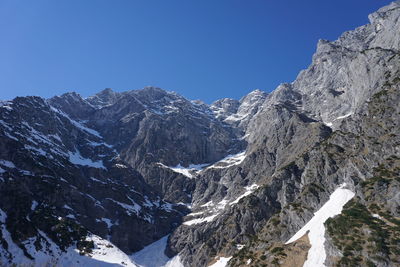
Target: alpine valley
x,y
308,175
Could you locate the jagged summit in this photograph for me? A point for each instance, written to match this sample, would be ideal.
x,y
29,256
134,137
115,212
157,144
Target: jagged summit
x,y
379,33
239,112
103,98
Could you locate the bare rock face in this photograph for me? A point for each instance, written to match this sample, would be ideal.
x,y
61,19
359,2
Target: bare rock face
x,y
239,113
59,175
294,158
126,166
73,105
152,129
104,98
225,107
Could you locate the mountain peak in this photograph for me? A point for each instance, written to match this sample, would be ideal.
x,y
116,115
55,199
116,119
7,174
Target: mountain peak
x,y
152,90
103,98
257,92
71,94
105,91
253,96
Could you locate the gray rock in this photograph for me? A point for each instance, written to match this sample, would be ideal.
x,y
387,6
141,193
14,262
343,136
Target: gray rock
x,y
112,156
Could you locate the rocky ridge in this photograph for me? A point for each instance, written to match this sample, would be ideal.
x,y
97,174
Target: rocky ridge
x,y
291,155
125,167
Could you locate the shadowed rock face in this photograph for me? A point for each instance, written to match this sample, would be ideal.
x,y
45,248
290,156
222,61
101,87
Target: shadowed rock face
x,y
150,127
123,165
58,174
100,165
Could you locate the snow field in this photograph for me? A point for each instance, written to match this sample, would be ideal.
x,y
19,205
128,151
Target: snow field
x,y
317,254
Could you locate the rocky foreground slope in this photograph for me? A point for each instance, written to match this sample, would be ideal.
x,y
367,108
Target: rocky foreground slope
x,y
307,175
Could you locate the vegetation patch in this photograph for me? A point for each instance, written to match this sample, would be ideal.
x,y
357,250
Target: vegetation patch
x,y
366,231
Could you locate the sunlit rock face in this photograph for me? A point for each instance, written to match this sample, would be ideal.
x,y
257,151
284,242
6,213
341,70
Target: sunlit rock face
x,y
305,140
230,183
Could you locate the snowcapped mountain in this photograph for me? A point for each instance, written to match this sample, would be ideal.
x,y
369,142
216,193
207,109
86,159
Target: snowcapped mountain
x,y
307,175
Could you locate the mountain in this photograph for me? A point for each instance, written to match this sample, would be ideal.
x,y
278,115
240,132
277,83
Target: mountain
x,y
61,181
78,173
328,129
307,175
153,130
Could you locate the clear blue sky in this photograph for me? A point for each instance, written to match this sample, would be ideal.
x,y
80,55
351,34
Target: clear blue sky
x,y
202,49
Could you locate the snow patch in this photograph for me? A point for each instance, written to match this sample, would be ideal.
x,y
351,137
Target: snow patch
x,y
129,209
108,222
97,180
6,105
195,213
27,173
317,255
168,207
34,205
7,163
200,220
216,208
94,144
5,124
377,216
174,262
104,254
239,246
208,204
344,116
67,207
11,136
121,166
193,169
36,150
187,171
236,117
249,189
13,250
221,262
55,136
77,159
41,138
330,123
153,256
229,161
77,124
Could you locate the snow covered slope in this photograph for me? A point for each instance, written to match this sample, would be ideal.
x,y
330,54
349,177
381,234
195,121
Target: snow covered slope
x,y
153,256
315,227
102,252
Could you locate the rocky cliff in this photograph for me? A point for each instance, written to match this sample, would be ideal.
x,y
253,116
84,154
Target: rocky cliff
x,y
267,180
329,127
